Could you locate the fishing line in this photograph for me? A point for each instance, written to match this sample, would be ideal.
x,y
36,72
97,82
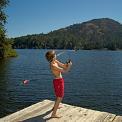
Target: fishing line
x,y
60,53
68,52
64,51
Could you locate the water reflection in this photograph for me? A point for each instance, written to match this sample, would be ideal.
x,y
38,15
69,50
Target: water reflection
x,y
4,80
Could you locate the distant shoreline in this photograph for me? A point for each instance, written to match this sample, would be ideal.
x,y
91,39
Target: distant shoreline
x,y
104,49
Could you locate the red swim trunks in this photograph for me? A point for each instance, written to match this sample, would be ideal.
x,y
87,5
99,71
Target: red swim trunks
x,y
59,87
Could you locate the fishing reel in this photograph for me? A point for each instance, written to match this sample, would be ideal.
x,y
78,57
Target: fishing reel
x,y
68,61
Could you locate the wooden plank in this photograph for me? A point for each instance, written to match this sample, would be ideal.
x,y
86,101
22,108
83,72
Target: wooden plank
x,y
93,117
65,115
80,113
101,117
86,115
71,114
118,119
24,112
60,111
41,112
109,118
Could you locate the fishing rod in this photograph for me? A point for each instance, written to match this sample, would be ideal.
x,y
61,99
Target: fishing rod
x,y
69,57
60,53
64,51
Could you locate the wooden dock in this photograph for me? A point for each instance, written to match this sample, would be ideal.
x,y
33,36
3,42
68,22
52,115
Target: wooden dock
x,y
41,112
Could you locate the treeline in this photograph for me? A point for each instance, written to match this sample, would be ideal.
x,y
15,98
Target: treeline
x,y
5,43
102,33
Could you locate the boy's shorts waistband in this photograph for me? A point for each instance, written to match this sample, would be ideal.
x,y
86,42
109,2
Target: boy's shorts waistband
x,y
58,78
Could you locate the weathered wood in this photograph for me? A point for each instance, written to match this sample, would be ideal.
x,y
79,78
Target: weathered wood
x,y
37,112
94,116
30,111
71,114
109,118
87,114
118,119
75,116
41,112
101,117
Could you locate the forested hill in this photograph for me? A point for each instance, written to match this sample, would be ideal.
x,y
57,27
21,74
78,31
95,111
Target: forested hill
x,y
101,33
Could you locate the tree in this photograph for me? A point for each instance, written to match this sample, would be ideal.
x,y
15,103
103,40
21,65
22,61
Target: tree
x,y
5,45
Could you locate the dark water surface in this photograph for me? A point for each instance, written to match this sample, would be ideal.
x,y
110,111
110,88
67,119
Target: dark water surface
x,y
95,80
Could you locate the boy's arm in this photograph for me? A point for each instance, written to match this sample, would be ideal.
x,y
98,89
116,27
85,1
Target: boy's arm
x,y
57,68
68,66
61,64
60,69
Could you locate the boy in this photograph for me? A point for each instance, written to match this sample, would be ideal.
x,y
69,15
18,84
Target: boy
x,y
57,69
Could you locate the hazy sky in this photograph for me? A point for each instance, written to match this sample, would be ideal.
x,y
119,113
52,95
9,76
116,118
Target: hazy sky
x,y
37,16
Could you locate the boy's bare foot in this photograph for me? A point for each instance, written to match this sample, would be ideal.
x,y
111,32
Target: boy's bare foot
x,y
55,116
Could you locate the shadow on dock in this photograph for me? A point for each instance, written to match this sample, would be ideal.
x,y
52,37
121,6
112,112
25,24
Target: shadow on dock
x,y
39,118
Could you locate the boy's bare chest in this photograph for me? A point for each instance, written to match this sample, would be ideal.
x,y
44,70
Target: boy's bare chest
x,y
55,64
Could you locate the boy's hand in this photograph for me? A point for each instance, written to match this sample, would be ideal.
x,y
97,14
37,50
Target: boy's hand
x,y
68,65
69,62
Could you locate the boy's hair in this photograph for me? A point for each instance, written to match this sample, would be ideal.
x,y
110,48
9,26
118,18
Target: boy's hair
x,y
50,55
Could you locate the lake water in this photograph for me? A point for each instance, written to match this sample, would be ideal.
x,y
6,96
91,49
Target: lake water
x,y
94,81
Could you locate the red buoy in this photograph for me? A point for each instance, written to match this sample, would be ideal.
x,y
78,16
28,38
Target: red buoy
x,y
25,81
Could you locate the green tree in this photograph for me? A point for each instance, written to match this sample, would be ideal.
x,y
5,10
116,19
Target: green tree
x,y
5,45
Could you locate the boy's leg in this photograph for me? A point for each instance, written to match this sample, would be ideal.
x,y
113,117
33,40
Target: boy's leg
x,y
56,105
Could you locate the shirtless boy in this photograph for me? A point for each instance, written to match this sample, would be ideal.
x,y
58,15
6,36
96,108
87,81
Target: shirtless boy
x,y
57,69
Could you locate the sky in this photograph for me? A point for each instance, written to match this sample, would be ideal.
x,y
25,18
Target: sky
x,y
42,16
